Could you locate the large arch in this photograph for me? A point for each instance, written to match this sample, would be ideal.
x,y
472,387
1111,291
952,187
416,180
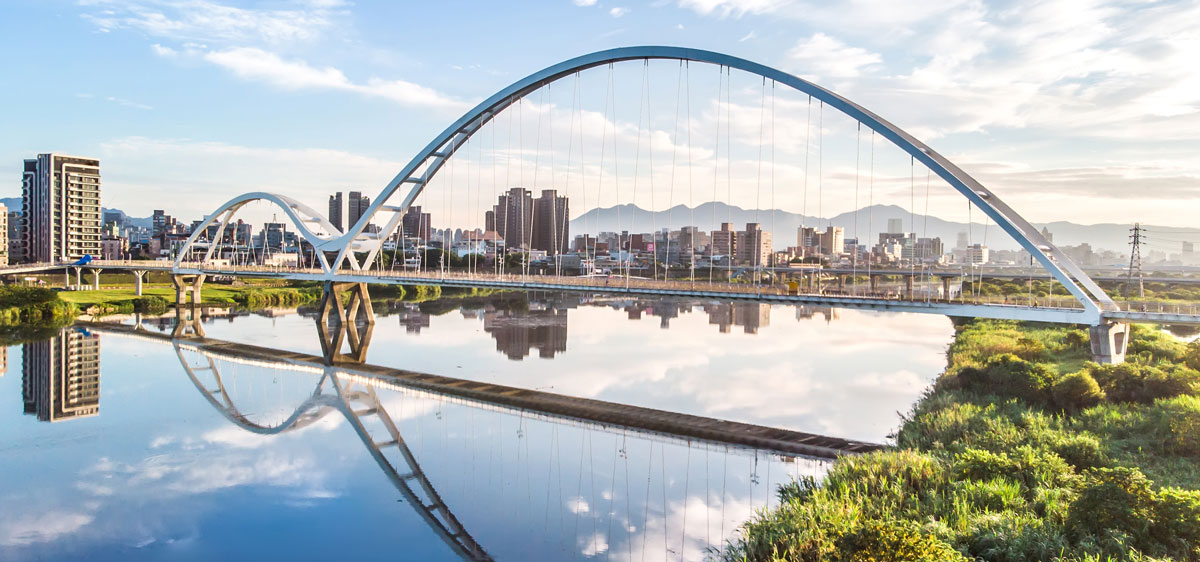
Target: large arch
x,y
442,147
431,158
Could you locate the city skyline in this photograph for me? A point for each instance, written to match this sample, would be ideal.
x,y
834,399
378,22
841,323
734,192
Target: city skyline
x,y
1040,142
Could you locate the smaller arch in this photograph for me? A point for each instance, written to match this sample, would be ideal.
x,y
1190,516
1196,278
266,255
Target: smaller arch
x,y
299,214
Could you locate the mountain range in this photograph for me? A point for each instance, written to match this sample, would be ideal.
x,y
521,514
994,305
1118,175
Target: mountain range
x,y
783,225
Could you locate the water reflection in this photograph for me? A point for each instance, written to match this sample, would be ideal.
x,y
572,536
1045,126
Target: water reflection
x,y
189,467
60,376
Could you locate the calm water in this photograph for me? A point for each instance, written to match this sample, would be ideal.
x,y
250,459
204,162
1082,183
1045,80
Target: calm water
x,y
162,466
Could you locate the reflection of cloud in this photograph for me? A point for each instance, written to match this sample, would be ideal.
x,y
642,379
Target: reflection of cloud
x,y
29,527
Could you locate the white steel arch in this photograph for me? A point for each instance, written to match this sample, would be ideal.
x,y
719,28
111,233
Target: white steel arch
x,y
434,155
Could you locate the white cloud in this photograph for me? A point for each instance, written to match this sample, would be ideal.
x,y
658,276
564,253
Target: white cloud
x,y
618,11
827,57
256,64
202,20
747,37
585,2
736,8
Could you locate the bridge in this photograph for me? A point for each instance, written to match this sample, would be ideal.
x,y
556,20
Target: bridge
x,y
358,393
522,244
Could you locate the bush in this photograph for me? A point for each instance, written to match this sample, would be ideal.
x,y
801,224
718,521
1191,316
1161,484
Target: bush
x,y
1177,420
1113,499
1010,375
1010,537
150,304
1078,450
1076,391
895,541
1177,519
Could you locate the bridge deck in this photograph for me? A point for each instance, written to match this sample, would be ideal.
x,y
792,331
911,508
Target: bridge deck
x,y
1062,311
555,405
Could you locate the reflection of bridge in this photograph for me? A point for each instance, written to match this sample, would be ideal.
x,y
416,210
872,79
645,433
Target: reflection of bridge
x,y
356,255
351,390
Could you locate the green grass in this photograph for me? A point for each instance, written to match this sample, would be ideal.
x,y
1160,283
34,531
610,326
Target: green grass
x,y
1022,450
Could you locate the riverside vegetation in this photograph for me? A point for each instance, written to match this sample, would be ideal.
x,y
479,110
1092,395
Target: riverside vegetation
x,y
1022,450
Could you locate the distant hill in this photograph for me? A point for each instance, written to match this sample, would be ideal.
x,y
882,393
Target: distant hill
x,y
14,204
1100,236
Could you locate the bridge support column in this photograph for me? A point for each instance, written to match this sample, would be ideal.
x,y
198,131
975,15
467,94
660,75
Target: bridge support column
x,y
908,286
185,284
78,277
138,276
842,283
874,283
96,278
1109,341
187,323
341,321
945,288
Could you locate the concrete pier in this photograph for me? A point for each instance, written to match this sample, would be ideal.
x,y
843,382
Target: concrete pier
x,y
1109,341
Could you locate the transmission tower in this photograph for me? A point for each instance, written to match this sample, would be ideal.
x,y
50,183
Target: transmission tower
x,y
1135,260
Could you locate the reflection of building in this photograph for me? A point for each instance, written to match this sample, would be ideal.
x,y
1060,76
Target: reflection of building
x,y
3,360
749,315
808,312
412,318
517,333
61,376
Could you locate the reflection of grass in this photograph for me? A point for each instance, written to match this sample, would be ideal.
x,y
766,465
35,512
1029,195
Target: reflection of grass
x,y
251,296
1023,450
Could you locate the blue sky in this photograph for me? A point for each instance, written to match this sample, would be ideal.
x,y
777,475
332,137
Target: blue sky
x,y
1081,111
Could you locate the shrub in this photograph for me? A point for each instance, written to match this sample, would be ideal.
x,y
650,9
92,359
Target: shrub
x,y
1078,450
1113,499
1177,420
150,304
1169,382
1005,537
1177,519
895,541
1009,375
1076,391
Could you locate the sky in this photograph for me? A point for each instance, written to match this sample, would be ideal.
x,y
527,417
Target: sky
x,y
1069,110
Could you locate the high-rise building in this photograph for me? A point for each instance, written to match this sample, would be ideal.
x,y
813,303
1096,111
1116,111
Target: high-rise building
x,y
512,217
356,207
16,237
977,254
833,241
336,205
60,203
754,245
724,241
963,241
895,226
551,228
61,376
415,224
274,234
3,235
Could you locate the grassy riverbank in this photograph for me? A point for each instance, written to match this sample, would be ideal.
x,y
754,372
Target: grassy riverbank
x,y
1023,450
32,305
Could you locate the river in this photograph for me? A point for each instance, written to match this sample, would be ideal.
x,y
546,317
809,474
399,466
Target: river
x,y
116,447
